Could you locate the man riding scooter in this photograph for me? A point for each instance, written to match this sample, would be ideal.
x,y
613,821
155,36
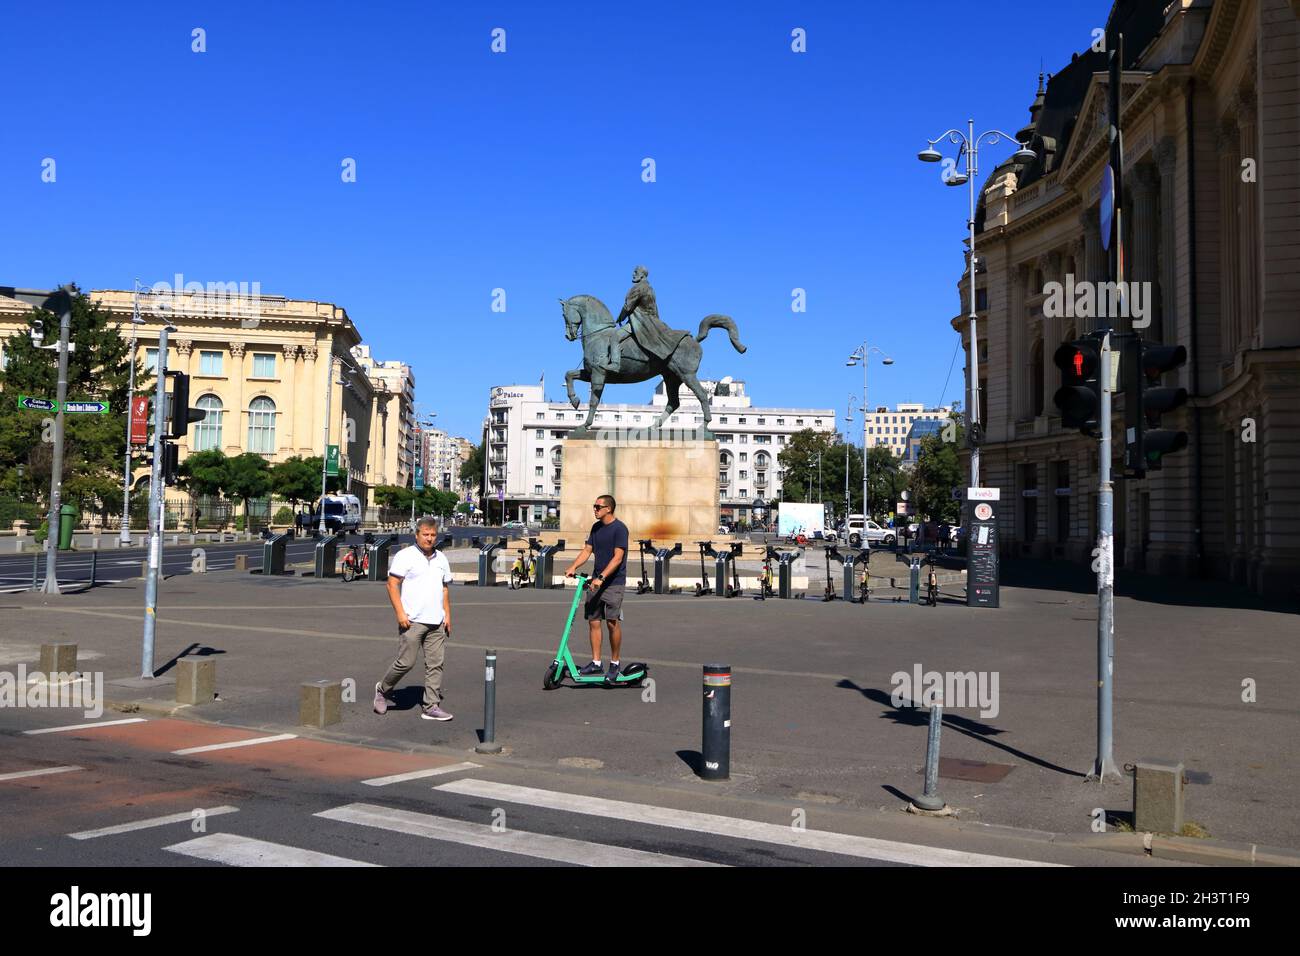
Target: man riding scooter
x,y
608,541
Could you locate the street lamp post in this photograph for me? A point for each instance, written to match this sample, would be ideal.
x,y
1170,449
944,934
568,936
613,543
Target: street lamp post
x,y
848,420
860,354
968,145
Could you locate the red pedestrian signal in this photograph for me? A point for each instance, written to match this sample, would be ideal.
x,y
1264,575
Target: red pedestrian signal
x,y
1079,397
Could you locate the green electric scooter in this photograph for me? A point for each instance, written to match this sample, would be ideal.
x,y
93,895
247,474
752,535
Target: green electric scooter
x,y
564,666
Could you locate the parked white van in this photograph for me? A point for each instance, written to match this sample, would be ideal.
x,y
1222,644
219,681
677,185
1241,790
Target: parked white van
x,y
342,513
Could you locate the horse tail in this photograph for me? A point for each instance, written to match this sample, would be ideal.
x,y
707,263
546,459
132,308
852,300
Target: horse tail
x,y
720,322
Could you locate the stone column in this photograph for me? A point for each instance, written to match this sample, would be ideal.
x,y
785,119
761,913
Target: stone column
x,y
1166,317
1248,228
1145,235
1229,240
1019,322
1094,260
235,435
184,352
1051,333
313,395
289,417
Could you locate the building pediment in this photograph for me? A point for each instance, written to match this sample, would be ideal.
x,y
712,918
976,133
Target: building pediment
x,y
1090,129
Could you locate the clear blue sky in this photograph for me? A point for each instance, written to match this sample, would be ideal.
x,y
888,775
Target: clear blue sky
x,y
522,170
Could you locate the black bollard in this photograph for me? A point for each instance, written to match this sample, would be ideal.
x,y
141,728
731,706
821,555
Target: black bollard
x,y
716,747
94,566
489,744
35,557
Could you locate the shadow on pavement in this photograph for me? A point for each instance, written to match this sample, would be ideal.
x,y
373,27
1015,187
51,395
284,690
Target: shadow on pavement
x,y
916,717
1139,586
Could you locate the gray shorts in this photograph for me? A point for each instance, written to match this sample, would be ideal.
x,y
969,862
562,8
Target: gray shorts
x,y
605,605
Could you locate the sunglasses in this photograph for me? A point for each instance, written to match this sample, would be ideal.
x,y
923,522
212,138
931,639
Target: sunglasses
x,y
598,507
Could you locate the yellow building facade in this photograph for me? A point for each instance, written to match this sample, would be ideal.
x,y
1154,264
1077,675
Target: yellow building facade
x,y
260,372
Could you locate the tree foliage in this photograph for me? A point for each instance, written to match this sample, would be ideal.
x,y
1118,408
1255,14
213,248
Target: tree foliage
x,y
248,476
295,480
938,471
93,445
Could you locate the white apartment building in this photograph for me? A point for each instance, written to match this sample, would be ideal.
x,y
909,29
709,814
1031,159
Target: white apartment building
x,y
885,427
526,436
394,388
442,456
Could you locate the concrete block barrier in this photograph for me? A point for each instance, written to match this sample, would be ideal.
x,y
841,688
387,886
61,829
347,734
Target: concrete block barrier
x,y
320,703
196,680
59,657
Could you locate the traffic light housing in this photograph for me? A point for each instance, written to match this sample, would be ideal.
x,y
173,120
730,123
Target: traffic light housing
x,y
171,463
1145,400
1079,397
179,398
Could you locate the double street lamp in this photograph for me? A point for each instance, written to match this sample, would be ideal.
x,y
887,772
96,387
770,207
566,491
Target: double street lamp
x,y
968,145
860,355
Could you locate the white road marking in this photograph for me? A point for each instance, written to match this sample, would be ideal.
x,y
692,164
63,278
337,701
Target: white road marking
x,y
185,816
243,851
86,726
23,774
207,748
822,840
417,774
522,842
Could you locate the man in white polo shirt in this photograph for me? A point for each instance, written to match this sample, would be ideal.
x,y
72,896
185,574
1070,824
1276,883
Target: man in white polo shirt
x,y
417,588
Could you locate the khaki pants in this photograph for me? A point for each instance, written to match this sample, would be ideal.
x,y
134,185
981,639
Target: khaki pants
x,y
430,637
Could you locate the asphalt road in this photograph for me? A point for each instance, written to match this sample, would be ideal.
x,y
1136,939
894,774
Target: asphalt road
x,y
138,793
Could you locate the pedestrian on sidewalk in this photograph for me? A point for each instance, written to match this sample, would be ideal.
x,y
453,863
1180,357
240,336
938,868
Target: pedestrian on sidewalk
x,y
608,541
418,582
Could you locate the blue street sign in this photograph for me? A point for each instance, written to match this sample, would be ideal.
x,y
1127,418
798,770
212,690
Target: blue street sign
x,y
94,408
419,478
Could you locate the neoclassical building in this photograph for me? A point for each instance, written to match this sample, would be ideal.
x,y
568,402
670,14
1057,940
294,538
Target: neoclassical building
x,y
1211,115
261,377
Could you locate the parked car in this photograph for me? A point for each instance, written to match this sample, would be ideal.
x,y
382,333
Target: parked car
x,y
860,529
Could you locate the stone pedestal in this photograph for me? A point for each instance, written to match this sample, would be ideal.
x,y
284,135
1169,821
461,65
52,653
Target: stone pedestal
x,y
665,483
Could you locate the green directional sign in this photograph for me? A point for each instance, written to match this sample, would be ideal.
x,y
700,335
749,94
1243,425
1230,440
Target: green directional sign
x,y
332,461
91,408
37,404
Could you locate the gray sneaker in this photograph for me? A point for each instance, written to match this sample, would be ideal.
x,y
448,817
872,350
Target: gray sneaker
x,y
381,702
434,713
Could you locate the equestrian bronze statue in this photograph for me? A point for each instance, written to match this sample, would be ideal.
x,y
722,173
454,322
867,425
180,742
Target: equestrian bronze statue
x,y
645,348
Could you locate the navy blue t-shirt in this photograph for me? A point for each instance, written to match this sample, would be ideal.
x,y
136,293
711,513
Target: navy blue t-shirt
x,y
604,538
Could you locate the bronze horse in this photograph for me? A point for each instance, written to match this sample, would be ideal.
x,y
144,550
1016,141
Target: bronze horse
x,y
585,315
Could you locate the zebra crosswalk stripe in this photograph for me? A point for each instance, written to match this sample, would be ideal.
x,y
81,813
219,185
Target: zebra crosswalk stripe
x,y
244,851
525,843
825,841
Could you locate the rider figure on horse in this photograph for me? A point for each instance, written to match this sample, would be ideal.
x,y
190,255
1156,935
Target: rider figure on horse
x,y
655,338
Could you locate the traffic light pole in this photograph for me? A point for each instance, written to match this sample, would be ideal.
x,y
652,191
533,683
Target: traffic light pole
x,y
155,507
1104,768
51,585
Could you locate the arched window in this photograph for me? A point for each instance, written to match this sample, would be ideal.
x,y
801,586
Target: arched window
x,y
724,459
261,426
207,433
761,460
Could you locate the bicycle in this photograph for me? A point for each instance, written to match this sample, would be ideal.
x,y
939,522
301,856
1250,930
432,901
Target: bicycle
x,y
765,590
864,585
523,570
932,585
356,563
